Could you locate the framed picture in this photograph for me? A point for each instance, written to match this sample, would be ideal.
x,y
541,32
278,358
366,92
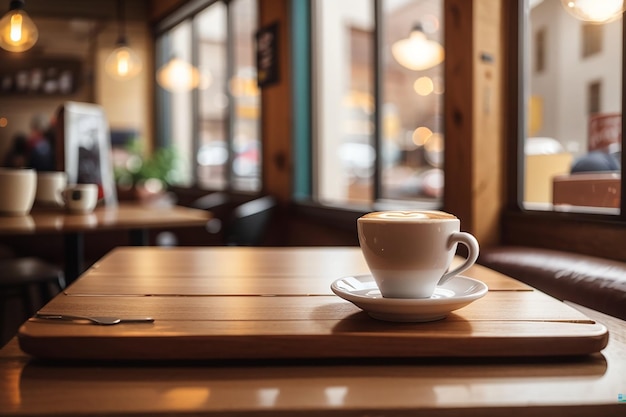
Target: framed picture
x,y
266,55
83,148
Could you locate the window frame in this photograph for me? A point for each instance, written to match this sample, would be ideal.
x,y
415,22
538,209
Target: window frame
x,y
189,12
378,201
592,234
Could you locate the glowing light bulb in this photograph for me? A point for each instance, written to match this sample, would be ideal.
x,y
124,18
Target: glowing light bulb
x,y
18,33
417,52
178,76
593,10
123,63
16,28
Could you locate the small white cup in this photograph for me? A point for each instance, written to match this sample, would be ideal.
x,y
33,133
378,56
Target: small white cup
x,y
17,190
409,252
50,186
81,198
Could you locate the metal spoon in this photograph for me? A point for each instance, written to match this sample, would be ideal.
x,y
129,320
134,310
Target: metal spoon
x,y
100,320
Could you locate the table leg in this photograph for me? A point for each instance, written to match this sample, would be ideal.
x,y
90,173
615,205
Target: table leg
x,y
139,237
74,256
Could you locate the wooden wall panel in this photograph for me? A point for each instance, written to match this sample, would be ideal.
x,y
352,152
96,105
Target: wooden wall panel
x,y
458,108
473,103
487,188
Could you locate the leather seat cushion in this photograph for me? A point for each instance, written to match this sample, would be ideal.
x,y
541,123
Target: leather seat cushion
x,y
593,282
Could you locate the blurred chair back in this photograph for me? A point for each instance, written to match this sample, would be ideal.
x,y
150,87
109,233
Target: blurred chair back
x,y
26,284
249,222
210,201
218,203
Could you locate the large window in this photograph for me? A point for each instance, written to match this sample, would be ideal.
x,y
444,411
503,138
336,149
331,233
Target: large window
x,y
573,74
209,112
378,91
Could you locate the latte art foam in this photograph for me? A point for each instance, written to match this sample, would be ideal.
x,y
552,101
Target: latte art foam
x,y
408,215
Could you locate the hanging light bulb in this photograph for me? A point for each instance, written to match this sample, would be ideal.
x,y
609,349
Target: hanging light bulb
x,y
178,76
417,52
123,63
18,33
595,11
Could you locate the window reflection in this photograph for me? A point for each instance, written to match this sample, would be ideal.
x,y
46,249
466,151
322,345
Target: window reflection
x,y
574,97
175,126
407,158
246,146
412,129
212,156
214,123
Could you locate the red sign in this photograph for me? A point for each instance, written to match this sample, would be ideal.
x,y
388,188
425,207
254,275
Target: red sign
x,y
604,130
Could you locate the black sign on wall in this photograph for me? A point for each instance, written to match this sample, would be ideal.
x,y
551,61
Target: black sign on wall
x,y
267,55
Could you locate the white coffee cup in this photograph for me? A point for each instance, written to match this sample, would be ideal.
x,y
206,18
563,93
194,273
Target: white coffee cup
x,y
50,186
17,190
409,252
81,198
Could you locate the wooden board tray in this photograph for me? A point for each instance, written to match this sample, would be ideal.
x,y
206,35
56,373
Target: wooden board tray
x,y
247,327
213,319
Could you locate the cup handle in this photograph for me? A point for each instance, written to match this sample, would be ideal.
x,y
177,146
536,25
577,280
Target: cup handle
x,y
60,198
472,247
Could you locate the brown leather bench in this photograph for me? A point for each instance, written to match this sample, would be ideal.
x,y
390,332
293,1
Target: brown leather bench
x,y
593,282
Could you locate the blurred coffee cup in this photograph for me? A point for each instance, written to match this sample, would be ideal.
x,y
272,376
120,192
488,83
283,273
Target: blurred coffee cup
x,y
81,198
17,190
50,186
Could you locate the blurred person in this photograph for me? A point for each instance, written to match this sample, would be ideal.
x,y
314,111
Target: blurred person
x,y
40,149
18,155
598,161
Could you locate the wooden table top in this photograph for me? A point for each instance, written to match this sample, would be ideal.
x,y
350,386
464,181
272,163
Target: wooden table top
x,y
581,385
121,217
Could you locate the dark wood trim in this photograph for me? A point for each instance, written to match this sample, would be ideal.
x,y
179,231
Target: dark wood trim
x,y
602,238
277,113
513,97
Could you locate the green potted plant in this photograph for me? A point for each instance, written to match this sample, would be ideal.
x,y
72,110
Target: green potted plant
x,y
145,175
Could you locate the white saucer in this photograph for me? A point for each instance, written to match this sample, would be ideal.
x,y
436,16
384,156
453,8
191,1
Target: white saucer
x,y
362,291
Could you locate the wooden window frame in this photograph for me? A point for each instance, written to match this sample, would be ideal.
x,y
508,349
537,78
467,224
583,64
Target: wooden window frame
x,y
596,235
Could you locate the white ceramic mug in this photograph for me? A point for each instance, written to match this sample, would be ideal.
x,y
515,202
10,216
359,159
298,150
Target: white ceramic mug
x,y
17,190
50,186
409,252
81,198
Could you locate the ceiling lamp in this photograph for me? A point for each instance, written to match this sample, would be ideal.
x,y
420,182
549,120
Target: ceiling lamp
x,y
18,33
417,52
123,63
595,11
178,76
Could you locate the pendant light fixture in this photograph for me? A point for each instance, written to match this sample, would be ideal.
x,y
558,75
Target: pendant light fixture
x,y
595,11
178,76
417,52
18,33
123,63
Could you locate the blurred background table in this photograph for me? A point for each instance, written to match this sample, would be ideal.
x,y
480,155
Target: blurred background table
x,y
136,218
